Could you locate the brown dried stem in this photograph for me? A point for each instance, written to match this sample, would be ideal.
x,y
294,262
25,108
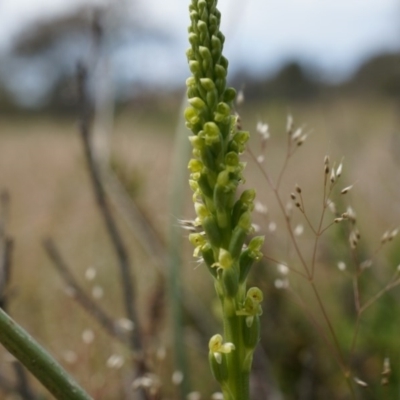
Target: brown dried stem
x,y
22,386
136,341
79,295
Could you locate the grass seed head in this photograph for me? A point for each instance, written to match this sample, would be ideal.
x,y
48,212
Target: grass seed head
x,y
346,189
359,382
240,97
339,170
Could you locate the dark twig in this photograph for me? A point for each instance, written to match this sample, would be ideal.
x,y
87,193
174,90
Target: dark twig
x,y
23,387
93,309
136,341
6,248
6,386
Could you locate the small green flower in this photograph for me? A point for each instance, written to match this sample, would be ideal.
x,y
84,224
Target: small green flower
x,y
218,347
251,306
224,260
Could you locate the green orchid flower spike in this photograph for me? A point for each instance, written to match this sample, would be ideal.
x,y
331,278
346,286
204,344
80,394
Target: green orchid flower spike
x,y
223,216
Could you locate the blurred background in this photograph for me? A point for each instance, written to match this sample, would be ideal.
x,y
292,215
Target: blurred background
x,y
334,66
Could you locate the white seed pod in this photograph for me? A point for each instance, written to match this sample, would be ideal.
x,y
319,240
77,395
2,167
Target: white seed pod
x,y
332,207
289,209
333,176
346,189
359,382
393,234
302,139
385,237
297,133
240,98
289,124
351,215
339,170
353,240
386,366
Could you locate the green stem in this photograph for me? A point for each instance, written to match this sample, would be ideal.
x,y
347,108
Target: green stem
x,y
239,369
40,363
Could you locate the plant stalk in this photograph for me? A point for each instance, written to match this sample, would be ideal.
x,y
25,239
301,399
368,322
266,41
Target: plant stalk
x,y
38,361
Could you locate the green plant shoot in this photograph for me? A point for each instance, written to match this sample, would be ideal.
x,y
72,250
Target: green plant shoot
x,y
223,216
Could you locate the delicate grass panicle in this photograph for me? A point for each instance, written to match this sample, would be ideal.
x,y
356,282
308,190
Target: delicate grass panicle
x,y
216,172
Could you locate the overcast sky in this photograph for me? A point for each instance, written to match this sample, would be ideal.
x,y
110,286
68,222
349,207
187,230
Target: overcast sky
x,y
333,35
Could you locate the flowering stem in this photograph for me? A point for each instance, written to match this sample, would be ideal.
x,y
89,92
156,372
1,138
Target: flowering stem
x,y
223,218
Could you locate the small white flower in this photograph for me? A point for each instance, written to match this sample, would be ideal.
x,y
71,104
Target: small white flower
x,y
70,357
283,269
341,265
115,361
97,292
272,226
87,336
260,208
256,228
125,324
90,273
217,347
281,283
298,230
193,396
263,130
177,377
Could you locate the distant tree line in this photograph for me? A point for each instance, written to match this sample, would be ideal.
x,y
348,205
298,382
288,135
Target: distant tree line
x,y
379,76
55,45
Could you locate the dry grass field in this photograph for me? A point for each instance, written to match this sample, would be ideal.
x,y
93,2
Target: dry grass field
x,y
43,169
